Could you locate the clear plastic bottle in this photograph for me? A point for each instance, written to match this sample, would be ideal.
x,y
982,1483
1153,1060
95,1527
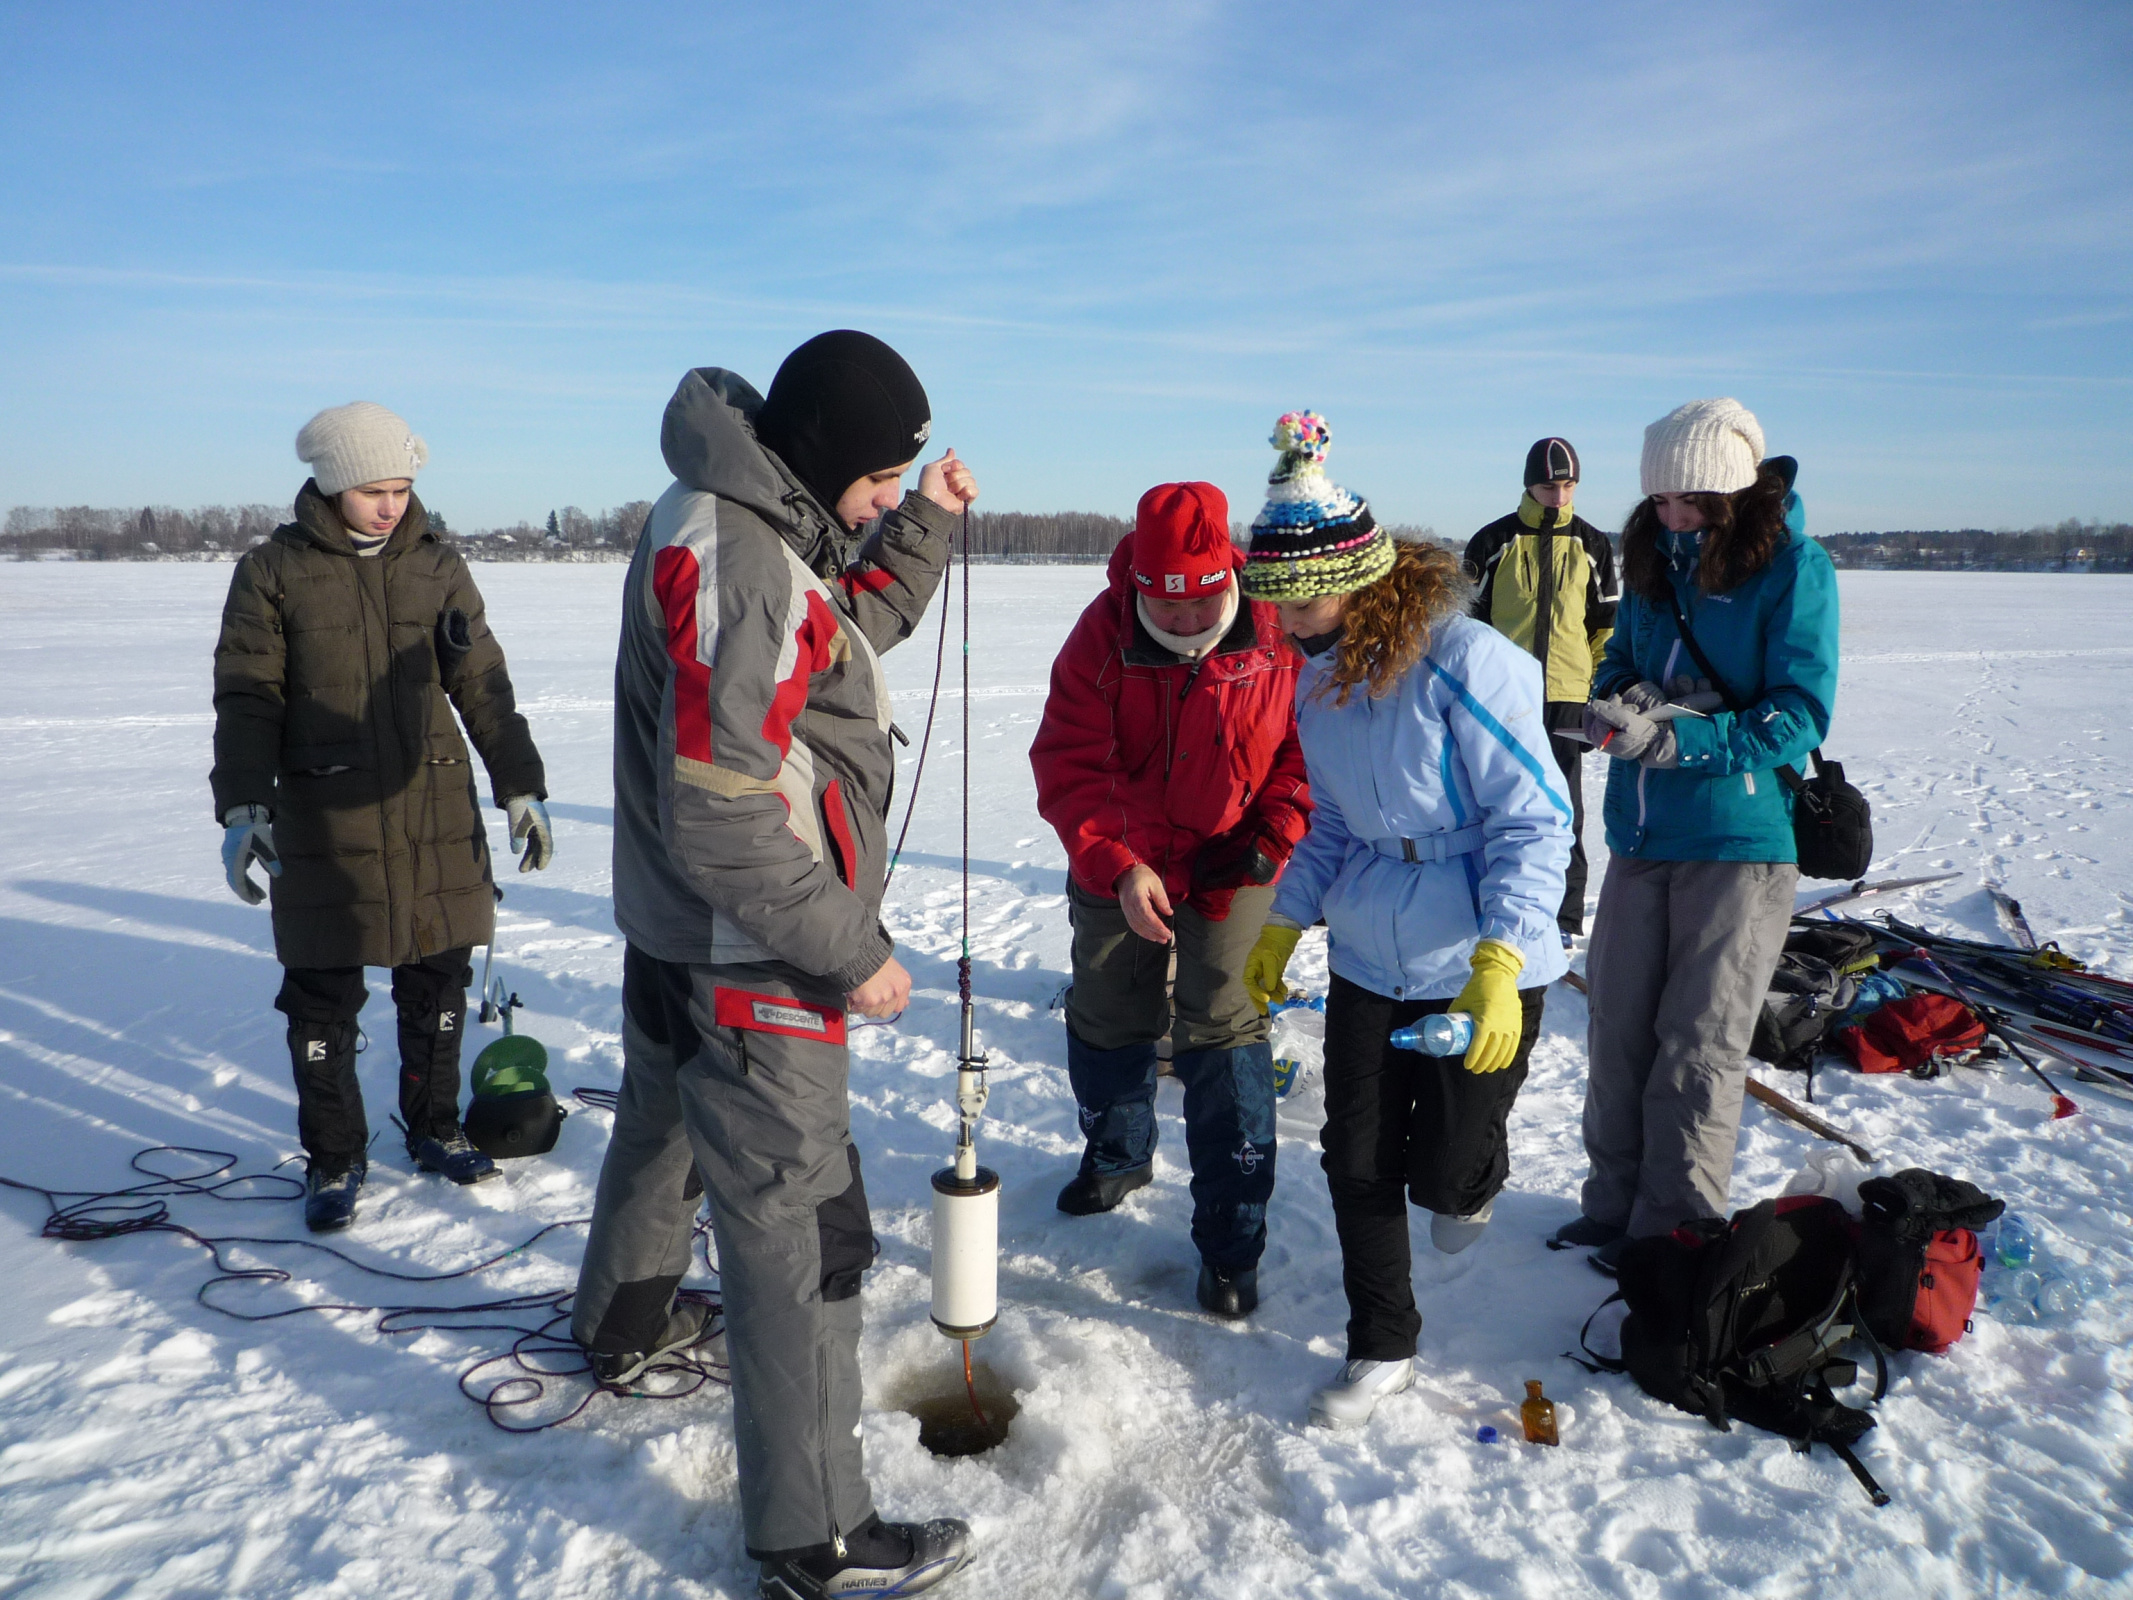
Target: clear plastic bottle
x,y
1538,1415
2013,1242
1446,1034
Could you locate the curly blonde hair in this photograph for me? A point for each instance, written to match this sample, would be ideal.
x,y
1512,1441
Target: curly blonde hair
x,y
1386,625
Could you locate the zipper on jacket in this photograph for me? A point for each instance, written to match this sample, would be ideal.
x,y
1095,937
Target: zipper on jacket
x,y
1644,772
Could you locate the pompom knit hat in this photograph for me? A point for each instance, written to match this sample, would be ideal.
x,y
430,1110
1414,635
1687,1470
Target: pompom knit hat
x,y
349,446
1181,542
1312,538
1705,447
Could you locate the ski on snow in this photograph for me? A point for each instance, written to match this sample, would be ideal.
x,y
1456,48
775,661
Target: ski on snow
x,y
1864,889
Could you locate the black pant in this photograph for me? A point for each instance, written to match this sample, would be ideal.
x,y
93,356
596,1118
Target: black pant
x,y
1570,756
1398,1120
322,1003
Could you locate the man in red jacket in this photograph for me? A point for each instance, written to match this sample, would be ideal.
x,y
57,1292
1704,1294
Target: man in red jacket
x,y
1167,761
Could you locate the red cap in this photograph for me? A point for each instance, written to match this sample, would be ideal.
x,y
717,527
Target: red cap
x,y
1181,542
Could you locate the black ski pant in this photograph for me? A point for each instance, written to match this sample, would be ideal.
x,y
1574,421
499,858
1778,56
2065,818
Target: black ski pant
x,y
1401,1124
1570,756
322,1004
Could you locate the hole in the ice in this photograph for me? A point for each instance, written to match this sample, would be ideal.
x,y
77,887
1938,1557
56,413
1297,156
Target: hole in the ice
x,y
947,1426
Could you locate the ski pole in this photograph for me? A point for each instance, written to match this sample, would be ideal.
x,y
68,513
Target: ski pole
x,y
2061,1105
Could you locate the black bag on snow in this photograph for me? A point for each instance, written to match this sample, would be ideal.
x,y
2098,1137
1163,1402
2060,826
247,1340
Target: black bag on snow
x,y
1746,1319
506,1126
1805,998
1832,825
1918,1257
1846,946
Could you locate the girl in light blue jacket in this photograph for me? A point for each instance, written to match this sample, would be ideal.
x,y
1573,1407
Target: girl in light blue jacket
x,y
1438,843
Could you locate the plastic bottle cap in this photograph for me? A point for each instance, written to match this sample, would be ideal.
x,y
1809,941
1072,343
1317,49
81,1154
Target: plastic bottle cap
x,y
1485,1434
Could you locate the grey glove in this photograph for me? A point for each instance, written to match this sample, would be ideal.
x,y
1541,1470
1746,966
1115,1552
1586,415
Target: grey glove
x,y
1624,732
1682,685
529,822
1642,696
248,835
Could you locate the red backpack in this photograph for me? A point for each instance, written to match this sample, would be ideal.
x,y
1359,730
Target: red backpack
x,y
1919,1261
1910,1034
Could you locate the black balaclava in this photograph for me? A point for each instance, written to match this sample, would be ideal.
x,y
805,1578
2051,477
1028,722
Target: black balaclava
x,y
842,406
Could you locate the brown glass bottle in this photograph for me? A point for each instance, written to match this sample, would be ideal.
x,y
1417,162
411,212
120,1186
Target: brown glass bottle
x,y
1538,1415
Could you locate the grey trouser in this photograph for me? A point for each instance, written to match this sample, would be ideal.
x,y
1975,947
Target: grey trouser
x,y
758,1119
1117,998
1682,953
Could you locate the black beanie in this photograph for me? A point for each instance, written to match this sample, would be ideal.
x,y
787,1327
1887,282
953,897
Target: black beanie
x,y
1551,461
842,406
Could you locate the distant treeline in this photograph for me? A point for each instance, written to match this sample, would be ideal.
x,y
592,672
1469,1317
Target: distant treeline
x,y
86,533
149,533
2070,547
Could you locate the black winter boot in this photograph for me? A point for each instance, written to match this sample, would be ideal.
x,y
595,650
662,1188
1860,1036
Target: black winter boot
x,y
1092,1192
330,1196
878,1559
1229,1294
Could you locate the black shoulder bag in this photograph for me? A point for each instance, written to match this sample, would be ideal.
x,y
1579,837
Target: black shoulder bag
x,y
1831,824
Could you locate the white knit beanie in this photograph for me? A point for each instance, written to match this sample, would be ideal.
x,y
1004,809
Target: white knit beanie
x,y
349,446
1705,447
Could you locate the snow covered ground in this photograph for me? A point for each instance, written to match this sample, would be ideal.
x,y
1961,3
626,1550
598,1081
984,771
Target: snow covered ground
x,y
150,1447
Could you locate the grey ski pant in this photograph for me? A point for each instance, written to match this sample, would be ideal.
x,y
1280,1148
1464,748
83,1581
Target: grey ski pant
x,y
1117,998
1682,953
758,1119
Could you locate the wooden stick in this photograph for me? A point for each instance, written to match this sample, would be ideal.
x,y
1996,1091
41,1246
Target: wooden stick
x,y
1792,1111
1771,1100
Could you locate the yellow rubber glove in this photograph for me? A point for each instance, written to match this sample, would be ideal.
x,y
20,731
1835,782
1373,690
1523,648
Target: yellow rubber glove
x,y
1269,959
1491,999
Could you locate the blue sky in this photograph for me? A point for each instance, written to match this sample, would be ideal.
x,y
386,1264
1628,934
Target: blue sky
x,y
1115,240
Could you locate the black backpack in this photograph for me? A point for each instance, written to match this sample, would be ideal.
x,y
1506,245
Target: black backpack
x,y
1806,996
1745,1320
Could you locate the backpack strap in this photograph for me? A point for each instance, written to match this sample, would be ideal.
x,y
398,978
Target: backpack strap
x,y
1788,775
1598,1363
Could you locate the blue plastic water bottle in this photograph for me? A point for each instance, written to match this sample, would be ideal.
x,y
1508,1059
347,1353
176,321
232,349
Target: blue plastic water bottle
x,y
1447,1034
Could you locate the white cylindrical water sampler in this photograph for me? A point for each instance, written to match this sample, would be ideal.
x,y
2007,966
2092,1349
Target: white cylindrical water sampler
x,y
966,1251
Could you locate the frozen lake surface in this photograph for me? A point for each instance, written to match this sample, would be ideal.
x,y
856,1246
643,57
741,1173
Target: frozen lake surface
x,y
150,1447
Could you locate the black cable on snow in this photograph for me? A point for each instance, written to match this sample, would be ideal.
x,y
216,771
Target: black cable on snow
x,y
541,1355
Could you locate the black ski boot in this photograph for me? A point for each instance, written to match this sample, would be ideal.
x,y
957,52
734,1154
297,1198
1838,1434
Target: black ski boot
x,y
878,1560
450,1154
1094,1192
1583,1233
1229,1294
685,1329
330,1196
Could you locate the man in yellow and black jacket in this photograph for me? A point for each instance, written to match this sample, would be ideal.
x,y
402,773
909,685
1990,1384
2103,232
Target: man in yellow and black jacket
x,y
1546,581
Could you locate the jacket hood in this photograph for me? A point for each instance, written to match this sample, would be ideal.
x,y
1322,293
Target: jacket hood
x,y
318,522
708,439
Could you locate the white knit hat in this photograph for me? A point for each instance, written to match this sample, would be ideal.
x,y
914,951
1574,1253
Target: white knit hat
x,y
1705,447
349,446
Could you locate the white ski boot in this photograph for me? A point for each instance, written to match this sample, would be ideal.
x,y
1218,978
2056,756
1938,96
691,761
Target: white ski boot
x,y
1453,1234
1348,1400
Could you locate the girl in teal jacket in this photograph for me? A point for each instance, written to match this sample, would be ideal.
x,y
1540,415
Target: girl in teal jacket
x,y
1699,892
